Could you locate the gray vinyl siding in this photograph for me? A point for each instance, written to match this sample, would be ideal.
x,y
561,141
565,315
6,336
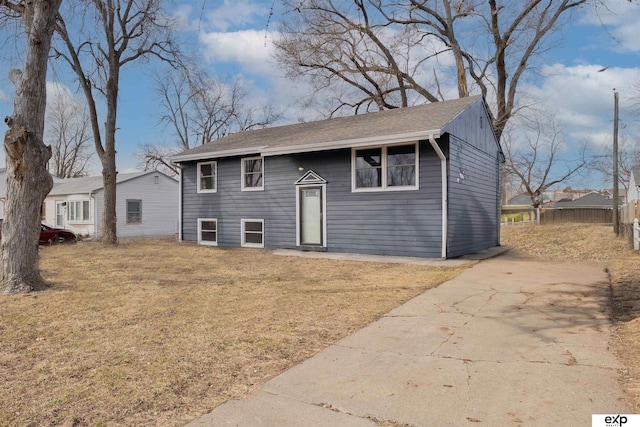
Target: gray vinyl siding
x,y
474,197
404,223
275,204
473,125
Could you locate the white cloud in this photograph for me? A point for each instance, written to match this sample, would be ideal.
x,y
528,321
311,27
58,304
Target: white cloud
x,y
582,97
235,13
3,96
181,16
56,90
246,48
620,18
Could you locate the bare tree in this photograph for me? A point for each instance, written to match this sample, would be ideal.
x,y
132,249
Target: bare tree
x,y
198,110
125,31
157,157
534,156
27,179
367,64
69,133
385,54
628,159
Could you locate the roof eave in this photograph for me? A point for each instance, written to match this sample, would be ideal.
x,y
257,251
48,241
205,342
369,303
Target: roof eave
x,y
319,146
215,154
352,143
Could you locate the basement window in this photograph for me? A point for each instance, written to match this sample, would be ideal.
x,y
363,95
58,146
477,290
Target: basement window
x,y
253,233
208,231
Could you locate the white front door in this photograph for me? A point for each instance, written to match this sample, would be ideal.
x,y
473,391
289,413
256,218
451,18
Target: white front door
x,y
311,219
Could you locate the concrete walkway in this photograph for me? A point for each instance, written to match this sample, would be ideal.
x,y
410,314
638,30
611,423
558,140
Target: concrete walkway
x,y
509,342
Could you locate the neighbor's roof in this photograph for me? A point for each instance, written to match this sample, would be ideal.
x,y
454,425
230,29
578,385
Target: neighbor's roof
x,y
520,200
397,125
90,184
591,200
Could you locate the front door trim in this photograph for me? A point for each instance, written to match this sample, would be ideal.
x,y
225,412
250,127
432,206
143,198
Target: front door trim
x,y
313,181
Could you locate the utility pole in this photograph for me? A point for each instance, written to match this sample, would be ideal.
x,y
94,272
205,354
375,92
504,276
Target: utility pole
x,y
616,212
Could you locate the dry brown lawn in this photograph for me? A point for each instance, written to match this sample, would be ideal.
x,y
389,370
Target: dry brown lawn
x,y
596,244
159,333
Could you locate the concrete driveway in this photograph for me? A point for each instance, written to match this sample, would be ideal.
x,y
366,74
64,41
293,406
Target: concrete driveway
x,y
509,342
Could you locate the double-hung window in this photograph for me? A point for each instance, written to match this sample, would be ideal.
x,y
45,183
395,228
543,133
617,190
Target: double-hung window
x,y
252,233
78,211
393,167
134,211
207,177
253,174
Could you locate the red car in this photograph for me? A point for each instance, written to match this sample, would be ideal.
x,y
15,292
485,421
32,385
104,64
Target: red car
x,y
51,235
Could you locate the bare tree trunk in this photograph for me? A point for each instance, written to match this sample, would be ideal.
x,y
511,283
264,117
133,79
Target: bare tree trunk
x,y
109,221
108,158
28,181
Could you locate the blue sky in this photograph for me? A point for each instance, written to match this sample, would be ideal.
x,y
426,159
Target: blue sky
x,y
229,38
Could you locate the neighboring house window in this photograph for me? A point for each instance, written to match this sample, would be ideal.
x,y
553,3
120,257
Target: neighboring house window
x,y
385,168
78,210
253,173
207,177
134,211
208,231
253,233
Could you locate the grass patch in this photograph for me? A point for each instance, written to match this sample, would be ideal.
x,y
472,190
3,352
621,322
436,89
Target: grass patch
x,y
595,244
157,333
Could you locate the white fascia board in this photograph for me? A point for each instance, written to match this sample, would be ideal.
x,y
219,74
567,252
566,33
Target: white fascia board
x,y
318,146
216,154
353,143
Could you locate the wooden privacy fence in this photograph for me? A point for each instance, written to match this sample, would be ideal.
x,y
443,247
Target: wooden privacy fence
x,y
629,211
584,215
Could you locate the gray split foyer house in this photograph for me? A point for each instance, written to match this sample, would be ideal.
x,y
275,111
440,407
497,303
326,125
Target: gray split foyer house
x,y
420,181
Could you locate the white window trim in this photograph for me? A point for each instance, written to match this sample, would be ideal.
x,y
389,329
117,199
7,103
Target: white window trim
x,y
261,188
207,242
68,212
215,177
384,186
243,243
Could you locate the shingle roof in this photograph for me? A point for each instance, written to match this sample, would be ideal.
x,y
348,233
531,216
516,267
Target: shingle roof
x,y
89,184
520,199
337,132
590,200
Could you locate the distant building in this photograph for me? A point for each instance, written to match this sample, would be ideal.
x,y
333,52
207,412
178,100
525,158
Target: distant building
x,y
520,200
591,200
146,204
634,185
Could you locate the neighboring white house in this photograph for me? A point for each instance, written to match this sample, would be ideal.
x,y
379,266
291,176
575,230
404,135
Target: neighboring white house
x,y
146,205
634,185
